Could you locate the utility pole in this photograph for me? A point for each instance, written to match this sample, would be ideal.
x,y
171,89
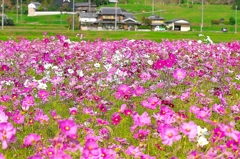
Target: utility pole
x,y
236,19
152,7
116,15
73,17
202,18
89,6
17,13
2,13
21,11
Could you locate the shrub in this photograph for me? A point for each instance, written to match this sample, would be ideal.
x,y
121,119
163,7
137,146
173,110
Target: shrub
x,y
144,27
231,21
10,22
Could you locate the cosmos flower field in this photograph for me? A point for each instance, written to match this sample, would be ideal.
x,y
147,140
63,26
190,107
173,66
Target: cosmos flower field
x,y
124,99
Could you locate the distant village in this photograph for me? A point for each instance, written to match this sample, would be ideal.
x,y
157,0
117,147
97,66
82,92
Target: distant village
x,y
106,18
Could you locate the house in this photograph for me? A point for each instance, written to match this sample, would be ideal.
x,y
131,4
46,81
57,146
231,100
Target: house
x,y
178,24
125,20
84,7
156,21
87,18
32,8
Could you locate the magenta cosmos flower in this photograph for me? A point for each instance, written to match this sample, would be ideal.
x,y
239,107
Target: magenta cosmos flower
x,y
43,94
179,74
168,134
189,129
31,139
68,127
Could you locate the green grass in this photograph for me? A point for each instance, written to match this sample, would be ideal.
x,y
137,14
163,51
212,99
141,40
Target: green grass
x,y
33,32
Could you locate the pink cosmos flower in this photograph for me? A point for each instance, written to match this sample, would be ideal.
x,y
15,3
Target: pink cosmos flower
x,y
189,129
18,117
139,90
116,118
3,117
168,63
73,110
107,154
43,94
27,102
141,134
7,133
134,151
142,120
1,156
168,134
151,103
31,139
179,74
68,127
5,98
145,76
159,64
90,149
229,131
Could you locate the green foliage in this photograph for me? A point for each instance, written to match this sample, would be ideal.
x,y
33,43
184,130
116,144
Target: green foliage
x,y
236,3
231,21
10,22
146,21
70,22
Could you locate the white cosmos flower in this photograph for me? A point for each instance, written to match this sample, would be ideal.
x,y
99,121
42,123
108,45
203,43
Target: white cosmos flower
x,y
202,141
199,41
41,85
237,77
80,73
97,65
202,132
70,71
150,62
47,66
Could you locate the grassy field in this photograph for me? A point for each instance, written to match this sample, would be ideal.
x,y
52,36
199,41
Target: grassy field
x,y
37,32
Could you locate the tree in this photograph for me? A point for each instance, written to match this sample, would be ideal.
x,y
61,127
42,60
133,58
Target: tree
x,y
76,21
236,3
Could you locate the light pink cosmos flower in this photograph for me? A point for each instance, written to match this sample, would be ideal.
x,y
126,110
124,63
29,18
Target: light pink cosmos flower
x,y
1,156
7,133
139,90
189,129
145,76
142,120
168,134
134,151
151,103
27,102
179,74
3,117
68,127
31,139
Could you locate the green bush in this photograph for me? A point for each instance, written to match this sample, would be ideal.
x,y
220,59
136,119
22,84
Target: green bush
x,y
10,22
231,21
144,27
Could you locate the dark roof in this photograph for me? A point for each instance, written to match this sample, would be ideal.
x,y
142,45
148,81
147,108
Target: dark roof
x,y
87,15
109,10
128,15
61,2
156,17
84,4
174,20
36,3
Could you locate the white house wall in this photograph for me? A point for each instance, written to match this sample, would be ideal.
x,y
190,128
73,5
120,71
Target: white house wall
x,y
185,27
88,19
